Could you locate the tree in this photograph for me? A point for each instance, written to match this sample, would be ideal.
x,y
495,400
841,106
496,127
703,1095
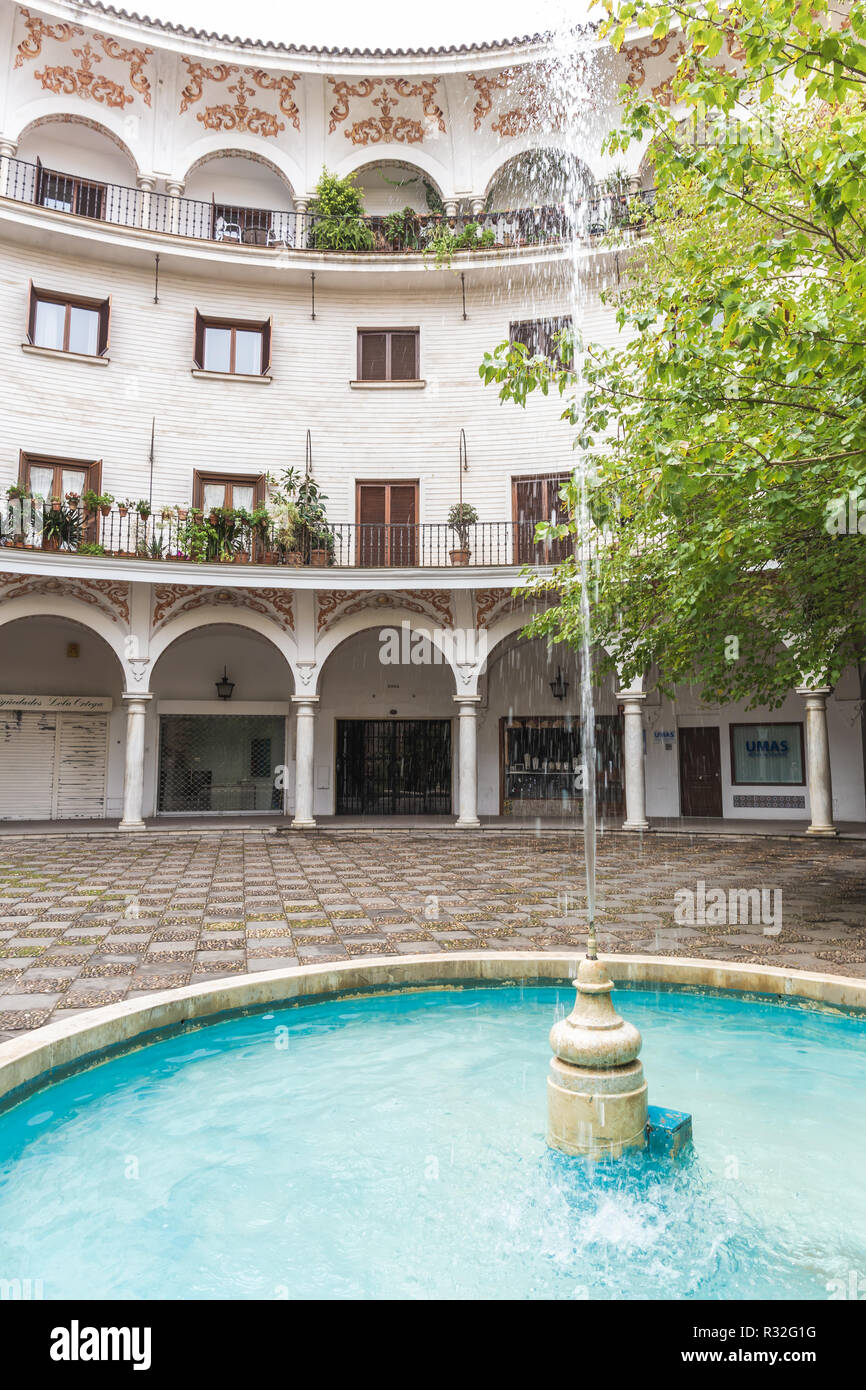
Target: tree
x,y
338,215
723,439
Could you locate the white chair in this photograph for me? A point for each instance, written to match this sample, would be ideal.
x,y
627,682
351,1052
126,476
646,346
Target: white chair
x,y
227,231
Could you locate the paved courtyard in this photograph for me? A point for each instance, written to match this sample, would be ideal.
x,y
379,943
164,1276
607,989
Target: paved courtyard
x,y
87,920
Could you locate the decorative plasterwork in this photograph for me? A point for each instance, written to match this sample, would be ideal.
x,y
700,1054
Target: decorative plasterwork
x,y
110,596
637,54
240,115
485,84
170,600
284,85
492,604
198,75
372,130
83,81
31,47
336,604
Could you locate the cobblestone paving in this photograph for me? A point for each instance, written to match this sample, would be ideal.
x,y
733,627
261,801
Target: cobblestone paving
x,y
86,921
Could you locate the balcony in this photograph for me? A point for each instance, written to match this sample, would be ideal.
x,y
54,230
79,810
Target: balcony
x,y
593,218
175,536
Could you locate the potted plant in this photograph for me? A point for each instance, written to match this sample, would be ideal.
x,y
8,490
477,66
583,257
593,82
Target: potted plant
x,y
56,504
74,499
338,216
143,508
182,512
91,548
125,507
241,535
402,229
90,500
104,502
461,516
61,529
16,493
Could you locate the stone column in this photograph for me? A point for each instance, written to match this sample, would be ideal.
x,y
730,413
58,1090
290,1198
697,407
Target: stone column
x,y
467,787
633,754
451,208
818,760
301,225
174,191
146,186
133,775
305,758
7,152
477,205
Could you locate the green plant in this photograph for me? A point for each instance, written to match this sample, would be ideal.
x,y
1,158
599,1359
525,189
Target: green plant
x,y
90,499
91,548
143,508
461,516
338,215
104,499
151,550
16,493
402,228
62,528
474,237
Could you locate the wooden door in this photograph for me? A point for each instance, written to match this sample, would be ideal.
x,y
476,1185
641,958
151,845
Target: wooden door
x,y
387,523
535,500
700,772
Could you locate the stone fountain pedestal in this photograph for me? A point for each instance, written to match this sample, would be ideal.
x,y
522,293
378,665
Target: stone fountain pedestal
x,y
596,1091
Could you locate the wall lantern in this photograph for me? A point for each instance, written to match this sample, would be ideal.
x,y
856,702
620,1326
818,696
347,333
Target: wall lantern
x,y
559,687
225,687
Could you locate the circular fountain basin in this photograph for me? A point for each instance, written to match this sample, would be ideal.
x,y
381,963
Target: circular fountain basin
x,y
393,1147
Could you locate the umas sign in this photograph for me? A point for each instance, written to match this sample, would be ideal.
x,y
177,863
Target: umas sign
x,y
767,747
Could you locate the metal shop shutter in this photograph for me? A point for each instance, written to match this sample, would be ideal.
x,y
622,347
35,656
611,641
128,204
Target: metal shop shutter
x,y
83,741
27,749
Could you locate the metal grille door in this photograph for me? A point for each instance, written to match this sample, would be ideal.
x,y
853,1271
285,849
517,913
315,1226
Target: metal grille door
x,y
393,767
220,763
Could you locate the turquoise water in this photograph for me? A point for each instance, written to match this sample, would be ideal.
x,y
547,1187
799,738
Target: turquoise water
x,y
394,1147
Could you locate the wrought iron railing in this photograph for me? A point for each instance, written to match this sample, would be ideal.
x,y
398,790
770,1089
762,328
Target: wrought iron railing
x,y
180,535
592,217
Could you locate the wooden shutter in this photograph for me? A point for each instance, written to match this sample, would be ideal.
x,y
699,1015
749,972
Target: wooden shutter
x,y
266,346
81,758
402,532
27,755
198,341
31,313
372,511
104,326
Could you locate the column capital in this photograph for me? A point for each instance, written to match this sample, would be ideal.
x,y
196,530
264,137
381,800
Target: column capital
x,y
174,187
816,692
142,695
7,148
624,697
305,699
467,699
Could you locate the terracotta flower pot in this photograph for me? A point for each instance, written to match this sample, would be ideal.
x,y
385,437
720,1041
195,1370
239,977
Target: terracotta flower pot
x,y
294,557
320,558
459,557
105,511
241,557
50,542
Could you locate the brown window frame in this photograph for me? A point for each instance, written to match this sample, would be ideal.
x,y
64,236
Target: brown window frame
x,y
77,185
262,326
756,724
389,333
92,468
227,480
547,546
547,327
72,301
411,527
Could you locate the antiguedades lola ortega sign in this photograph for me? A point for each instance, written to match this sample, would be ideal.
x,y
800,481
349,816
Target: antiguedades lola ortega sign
x,y
81,704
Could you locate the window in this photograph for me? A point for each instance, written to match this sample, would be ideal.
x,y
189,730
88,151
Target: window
x,y
237,349
68,193
387,514
54,477
539,336
388,354
767,755
260,757
239,491
68,323
537,499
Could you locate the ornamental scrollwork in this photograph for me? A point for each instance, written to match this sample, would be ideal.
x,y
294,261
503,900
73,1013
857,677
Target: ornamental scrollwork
x,y
83,81
31,47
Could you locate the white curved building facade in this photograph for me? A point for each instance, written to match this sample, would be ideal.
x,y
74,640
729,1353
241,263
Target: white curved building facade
x,y
173,337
